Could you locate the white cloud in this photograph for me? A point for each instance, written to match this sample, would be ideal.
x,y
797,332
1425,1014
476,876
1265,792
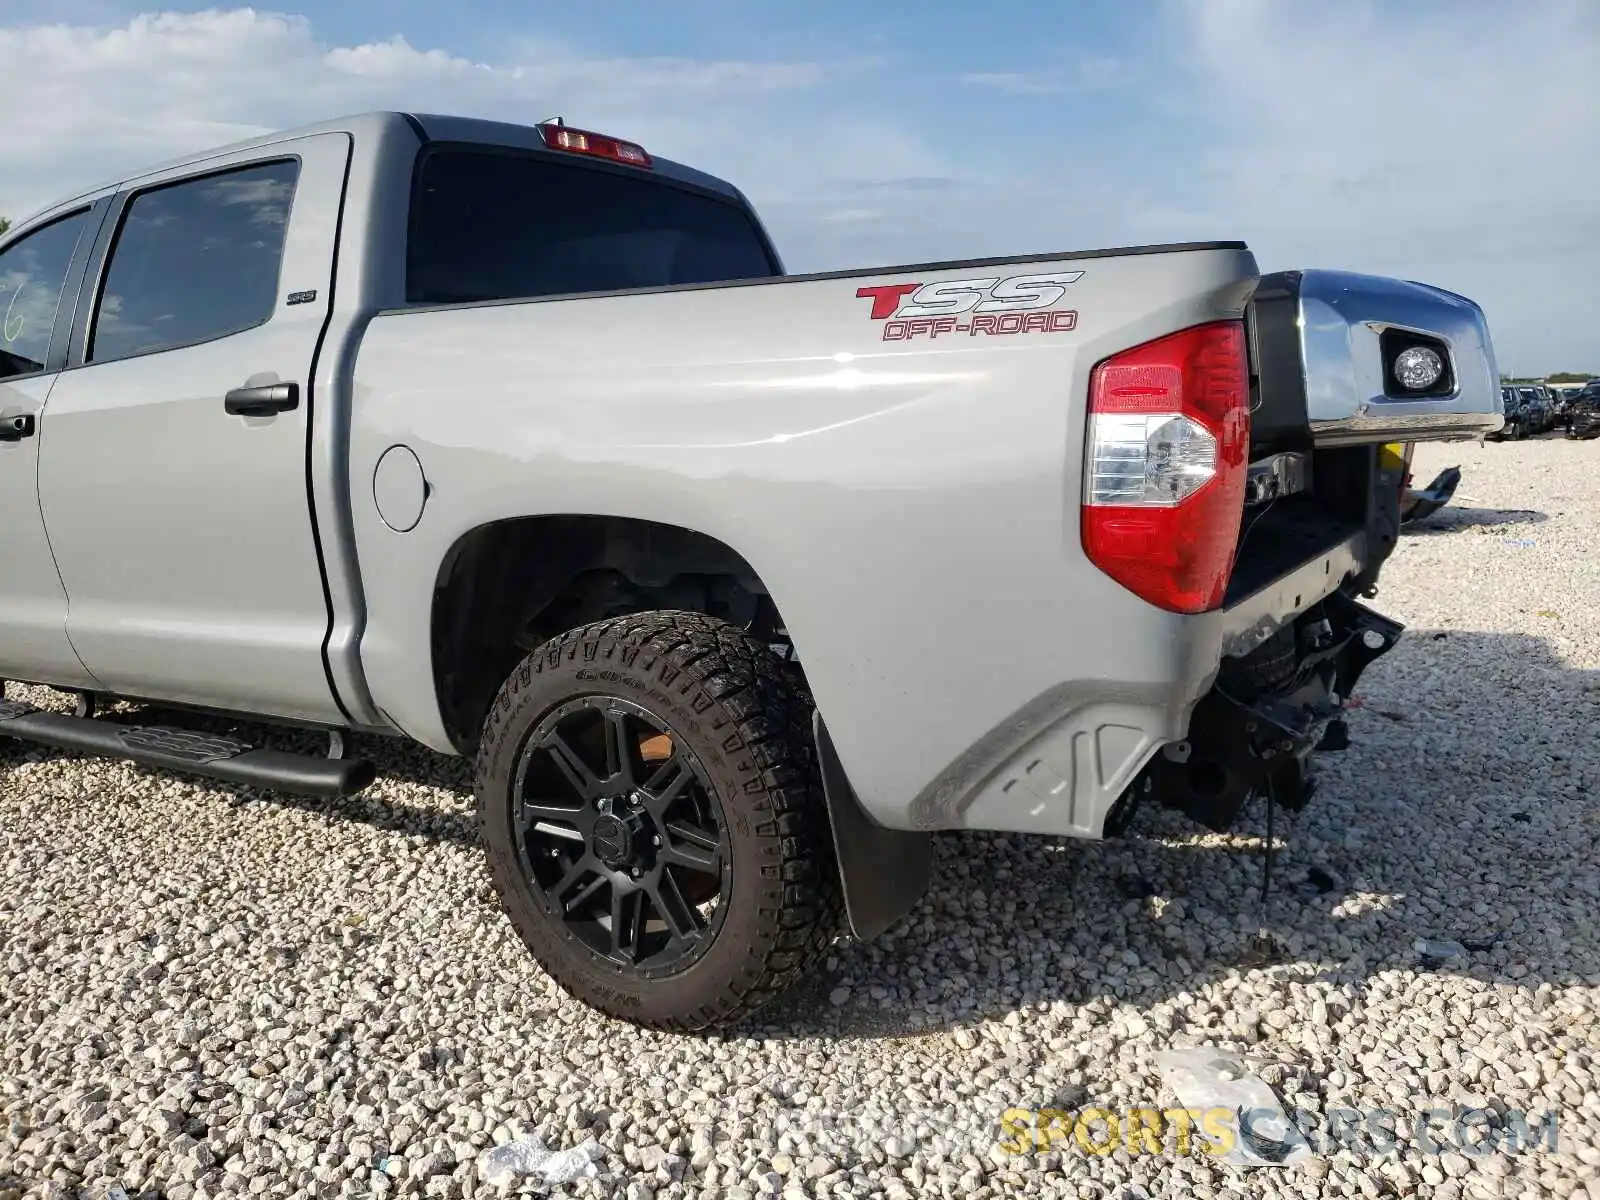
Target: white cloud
x,y
1083,73
105,99
1457,143
102,99
1451,142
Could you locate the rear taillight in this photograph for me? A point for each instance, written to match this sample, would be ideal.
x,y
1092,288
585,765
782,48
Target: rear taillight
x,y
1169,443
596,145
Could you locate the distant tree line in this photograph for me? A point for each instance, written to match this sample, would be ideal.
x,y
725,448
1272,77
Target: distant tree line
x,y
5,224
1558,377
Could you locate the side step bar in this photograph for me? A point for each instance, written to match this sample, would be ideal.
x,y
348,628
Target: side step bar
x,y
219,758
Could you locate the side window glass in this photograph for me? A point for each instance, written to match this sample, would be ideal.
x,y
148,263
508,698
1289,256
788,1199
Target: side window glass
x,y
195,261
33,273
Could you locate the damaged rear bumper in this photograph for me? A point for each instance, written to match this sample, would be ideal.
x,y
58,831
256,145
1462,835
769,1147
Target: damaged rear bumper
x,y
1419,503
1089,752
1268,713
1253,620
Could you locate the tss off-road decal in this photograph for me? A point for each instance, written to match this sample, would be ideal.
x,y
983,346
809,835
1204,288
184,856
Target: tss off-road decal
x,y
1018,304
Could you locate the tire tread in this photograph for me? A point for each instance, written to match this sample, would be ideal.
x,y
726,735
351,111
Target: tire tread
x,y
771,717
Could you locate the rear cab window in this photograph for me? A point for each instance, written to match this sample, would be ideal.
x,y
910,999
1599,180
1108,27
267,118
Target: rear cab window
x,y
490,224
195,260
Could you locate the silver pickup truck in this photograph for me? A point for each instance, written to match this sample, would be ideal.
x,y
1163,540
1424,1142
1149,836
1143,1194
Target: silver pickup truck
x,y
516,441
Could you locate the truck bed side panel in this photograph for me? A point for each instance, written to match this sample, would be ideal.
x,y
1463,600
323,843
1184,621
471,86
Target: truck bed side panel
x,y
912,505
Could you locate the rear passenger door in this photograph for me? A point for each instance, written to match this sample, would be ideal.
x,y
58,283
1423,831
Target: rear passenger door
x,y
173,476
38,274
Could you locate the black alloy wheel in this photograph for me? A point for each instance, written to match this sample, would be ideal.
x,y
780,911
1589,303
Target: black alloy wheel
x,y
621,836
653,814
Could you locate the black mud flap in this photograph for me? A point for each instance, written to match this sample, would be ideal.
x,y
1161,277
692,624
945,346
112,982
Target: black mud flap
x,y
884,872
1424,503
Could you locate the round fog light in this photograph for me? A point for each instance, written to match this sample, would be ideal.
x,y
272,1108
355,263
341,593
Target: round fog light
x,y
1418,368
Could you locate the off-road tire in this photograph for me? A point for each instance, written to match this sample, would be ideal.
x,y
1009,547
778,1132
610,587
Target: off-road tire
x,y
741,713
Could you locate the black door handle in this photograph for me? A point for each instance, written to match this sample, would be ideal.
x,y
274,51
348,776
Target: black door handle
x,y
262,401
14,429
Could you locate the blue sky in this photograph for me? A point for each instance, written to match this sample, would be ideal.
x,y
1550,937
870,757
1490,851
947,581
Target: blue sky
x,y
941,35
1446,141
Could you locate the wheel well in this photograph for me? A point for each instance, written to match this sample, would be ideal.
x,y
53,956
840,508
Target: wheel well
x,y
509,586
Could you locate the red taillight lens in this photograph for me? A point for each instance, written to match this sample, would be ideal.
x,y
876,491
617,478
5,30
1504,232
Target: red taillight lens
x,y
1169,446
596,145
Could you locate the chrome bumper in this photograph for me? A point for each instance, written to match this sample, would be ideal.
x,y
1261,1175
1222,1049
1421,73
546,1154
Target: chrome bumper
x,y
1348,325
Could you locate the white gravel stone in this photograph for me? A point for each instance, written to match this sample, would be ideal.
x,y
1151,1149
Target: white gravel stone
x,y
204,992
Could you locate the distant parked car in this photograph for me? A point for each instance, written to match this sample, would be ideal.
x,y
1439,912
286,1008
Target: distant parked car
x,y
1582,417
1516,417
1556,401
1548,396
1540,416
1570,395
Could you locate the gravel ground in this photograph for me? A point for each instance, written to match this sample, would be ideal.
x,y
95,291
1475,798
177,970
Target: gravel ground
x,y
205,993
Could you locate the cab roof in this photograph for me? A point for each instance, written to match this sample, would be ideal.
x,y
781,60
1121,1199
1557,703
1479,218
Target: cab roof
x,y
371,126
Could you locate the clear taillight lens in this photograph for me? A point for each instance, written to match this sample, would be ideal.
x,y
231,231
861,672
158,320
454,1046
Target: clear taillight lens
x,y
1169,441
1148,458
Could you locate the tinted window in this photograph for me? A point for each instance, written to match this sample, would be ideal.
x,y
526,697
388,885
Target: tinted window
x,y
489,226
194,261
33,272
